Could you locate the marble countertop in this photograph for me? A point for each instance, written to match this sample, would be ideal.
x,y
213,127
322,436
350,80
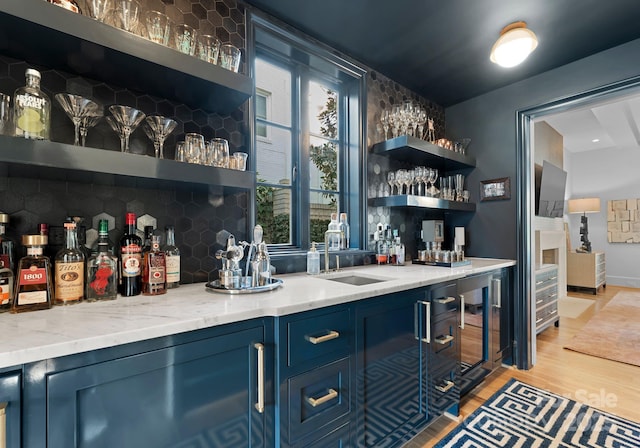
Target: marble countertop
x,y
66,330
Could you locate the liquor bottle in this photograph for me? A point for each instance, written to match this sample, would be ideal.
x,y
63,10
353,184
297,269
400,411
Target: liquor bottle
x,y
70,5
6,287
346,232
172,258
146,246
103,238
102,268
130,259
34,288
69,269
32,109
7,245
154,269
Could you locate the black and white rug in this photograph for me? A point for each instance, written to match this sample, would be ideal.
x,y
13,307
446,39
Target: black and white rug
x,y
519,415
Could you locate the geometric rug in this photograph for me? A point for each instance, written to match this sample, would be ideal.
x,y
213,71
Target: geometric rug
x,y
614,332
520,415
573,307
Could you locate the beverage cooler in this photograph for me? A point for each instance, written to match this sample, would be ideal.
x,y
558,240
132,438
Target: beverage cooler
x,y
484,325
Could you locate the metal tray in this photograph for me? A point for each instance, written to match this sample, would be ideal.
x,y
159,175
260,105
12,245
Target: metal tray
x,y
453,264
214,286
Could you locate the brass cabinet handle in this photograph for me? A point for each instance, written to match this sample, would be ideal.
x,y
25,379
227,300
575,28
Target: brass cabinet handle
x,y
3,425
444,340
332,334
446,387
331,394
446,300
260,404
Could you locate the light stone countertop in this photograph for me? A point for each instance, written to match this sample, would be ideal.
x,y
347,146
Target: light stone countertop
x,y
60,331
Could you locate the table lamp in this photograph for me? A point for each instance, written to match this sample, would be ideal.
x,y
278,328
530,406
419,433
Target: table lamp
x,y
584,206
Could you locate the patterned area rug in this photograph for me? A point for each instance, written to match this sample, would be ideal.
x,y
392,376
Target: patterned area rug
x,y
614,332
519,415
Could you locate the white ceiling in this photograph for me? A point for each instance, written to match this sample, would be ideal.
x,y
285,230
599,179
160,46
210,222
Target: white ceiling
x,y
613,123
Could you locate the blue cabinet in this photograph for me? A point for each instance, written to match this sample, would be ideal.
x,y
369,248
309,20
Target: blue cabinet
x,y
203,389
10,409
391,368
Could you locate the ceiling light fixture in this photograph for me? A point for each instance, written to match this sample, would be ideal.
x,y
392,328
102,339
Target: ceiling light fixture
x,y
515,44
595,140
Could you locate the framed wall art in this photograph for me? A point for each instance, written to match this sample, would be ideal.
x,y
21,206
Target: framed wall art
x,y
495,189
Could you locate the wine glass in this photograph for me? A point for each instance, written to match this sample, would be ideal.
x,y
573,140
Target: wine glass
x,y
86,123
391,179
77,107
125,120
385,119
433,176
411,174
419,178
400,174
157,129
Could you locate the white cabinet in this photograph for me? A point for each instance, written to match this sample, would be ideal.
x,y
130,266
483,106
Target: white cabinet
x,y
586,270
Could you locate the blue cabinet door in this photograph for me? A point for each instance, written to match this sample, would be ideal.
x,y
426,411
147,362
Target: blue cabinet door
x,y
10,409
391,369
198,394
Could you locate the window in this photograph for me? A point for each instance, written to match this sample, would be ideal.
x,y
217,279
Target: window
x,y
307,112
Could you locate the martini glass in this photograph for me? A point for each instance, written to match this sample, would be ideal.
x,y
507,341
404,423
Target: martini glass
x,y
77,107
86,123
125,120
157,129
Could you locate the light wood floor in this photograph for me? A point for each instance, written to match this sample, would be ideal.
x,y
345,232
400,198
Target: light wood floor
x,y
607,385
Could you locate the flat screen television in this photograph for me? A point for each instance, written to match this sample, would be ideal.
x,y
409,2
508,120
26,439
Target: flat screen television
x,y
550,184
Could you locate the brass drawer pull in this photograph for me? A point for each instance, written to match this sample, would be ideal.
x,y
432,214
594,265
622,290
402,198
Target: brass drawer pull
x,y
444,339
320,339
331,394
447,387
446,300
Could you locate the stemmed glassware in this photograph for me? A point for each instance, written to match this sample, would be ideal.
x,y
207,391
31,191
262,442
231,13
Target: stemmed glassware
x,y
391,180
86,123
433,176
385,120
124,121
77,108
419,179
157,129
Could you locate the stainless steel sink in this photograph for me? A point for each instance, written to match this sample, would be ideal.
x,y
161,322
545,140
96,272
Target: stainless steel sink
x,y
356,280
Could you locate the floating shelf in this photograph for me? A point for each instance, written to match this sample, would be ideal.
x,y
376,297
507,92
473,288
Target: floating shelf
x,y
45,34
417,152
424,202
43,155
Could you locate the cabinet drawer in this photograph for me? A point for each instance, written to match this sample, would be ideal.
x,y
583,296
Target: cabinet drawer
x,y
546,295
317,336
444,299
338,438
317,398
444,336
444,390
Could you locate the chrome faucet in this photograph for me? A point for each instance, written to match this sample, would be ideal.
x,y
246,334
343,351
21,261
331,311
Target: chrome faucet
x,y
326,249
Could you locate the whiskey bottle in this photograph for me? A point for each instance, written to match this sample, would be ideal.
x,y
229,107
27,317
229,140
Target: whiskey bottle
x,y
69,269
102,268
32,109
130,259
153,269
34,288
6,287
172,258
7,245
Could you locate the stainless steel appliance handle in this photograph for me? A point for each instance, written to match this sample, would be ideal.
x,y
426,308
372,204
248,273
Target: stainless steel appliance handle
x,y
497,292
331,394
427,306
462,311
332,334
416,321
260,404
3,425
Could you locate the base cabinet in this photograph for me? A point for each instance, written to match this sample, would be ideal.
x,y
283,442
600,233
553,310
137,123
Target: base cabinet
x,y
10,409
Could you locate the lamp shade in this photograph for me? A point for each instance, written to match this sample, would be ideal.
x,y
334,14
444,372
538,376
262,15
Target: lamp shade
x,y
584,205
515,44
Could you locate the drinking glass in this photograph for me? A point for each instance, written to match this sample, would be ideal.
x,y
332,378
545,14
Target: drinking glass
x,y
230,57
240,160
125,120
126,14
208,48
385,121
180,153
194,147
76,107
433,176
158,27
98,9
411,179
185,39
391,180
220,152
157,129
459,186
401,176
419,178
6,123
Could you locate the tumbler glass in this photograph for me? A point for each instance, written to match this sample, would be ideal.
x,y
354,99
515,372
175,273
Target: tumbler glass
x,y
220,152
98,9
194,147
158,27
185,39
180,155
230,57
208,48
240,159
126,15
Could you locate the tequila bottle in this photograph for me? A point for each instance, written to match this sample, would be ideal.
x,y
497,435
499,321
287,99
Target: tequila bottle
x,y
34,288
69,269
102,268
172,258
32,109
154,269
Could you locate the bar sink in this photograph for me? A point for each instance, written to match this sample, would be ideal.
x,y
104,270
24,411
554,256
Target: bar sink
x,y
356,280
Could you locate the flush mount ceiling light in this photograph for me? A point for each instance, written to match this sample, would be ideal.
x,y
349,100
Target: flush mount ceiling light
x,y
515,43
